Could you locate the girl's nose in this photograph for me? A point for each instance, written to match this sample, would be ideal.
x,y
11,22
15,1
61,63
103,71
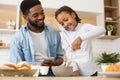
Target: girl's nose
x,y
65,25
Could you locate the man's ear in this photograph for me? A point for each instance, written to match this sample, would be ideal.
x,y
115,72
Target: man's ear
x,y
25,17
73,15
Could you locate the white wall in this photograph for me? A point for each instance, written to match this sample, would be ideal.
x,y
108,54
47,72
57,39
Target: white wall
x,y
93,6
4,56
9,2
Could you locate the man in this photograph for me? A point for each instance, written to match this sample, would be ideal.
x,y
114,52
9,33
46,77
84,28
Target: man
x,y
36,40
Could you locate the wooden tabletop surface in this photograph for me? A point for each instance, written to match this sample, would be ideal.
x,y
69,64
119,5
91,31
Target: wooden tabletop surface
x,y
58,78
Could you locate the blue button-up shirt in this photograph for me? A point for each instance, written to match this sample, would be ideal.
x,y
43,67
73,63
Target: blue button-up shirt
x,y
21,47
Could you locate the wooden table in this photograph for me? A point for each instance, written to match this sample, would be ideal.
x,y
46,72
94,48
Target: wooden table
x,y
58,78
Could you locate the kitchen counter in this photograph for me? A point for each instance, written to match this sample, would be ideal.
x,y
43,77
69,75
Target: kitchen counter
x,y
57,78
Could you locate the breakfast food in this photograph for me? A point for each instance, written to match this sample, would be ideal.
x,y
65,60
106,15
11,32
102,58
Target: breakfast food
x,y
113,68
20,66
11,65
8,66
23,65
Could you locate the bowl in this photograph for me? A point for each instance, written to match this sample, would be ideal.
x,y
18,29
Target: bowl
x,y
62,71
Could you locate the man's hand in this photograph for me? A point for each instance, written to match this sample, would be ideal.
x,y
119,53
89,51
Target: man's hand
x,y
50,62
47,62
76,43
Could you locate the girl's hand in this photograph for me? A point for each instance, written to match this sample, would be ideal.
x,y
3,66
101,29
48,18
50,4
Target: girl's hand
x,y
76,44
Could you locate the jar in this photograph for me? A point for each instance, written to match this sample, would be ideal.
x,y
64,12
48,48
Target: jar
x,y
1,43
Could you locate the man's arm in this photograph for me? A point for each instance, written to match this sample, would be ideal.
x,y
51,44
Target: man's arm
x,y
15,52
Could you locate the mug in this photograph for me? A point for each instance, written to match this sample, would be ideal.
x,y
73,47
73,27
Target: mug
x,y
44,70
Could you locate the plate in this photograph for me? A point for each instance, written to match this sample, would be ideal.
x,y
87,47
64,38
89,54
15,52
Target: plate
x,y
17,72
110,74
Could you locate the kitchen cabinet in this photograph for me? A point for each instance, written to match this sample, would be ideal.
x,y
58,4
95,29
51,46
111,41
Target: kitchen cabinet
x,y
8,12
5,37
5,17
111,17
89,6
4,44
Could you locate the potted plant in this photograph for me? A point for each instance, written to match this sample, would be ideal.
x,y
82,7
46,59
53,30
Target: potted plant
x,y
106,59
109,29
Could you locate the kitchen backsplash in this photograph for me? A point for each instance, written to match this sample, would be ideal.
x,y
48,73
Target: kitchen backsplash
x,y
105,45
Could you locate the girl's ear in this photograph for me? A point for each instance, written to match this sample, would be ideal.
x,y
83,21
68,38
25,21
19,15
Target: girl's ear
x,y
73,15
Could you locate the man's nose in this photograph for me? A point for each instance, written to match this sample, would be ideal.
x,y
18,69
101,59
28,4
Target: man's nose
x,y
41,16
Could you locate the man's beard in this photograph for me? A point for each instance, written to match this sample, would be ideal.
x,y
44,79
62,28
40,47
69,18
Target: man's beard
x,y
35,25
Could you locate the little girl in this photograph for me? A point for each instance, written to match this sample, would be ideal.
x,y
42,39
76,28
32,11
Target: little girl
x,y
77,41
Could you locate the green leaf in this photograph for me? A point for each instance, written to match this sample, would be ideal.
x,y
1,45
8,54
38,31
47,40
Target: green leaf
x,y
108,58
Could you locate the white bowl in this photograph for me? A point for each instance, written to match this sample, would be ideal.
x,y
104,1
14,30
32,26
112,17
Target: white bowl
x,y
62,71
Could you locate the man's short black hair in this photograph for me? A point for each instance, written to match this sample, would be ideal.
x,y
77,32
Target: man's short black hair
x,y
27,4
